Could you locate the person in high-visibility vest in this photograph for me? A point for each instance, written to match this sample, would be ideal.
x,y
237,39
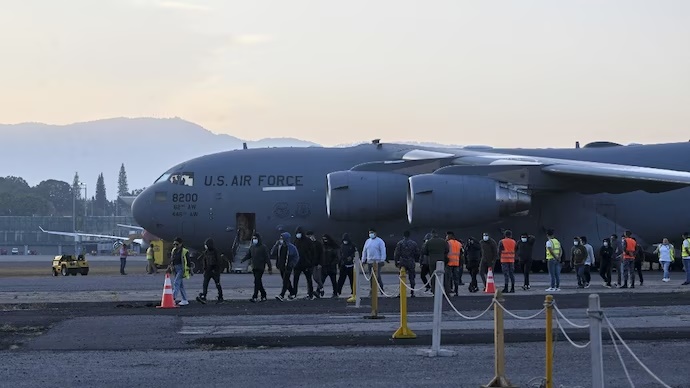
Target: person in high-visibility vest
x,y
454,262
506,252
179,264
554,252
685,254
151,260
629,251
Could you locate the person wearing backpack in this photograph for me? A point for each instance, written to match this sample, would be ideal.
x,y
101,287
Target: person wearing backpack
x,y
210,259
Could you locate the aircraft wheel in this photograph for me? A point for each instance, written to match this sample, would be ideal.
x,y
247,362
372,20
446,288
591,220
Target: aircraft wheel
x,y
64,271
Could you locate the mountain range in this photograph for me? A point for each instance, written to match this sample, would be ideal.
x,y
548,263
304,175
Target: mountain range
x,y
146,146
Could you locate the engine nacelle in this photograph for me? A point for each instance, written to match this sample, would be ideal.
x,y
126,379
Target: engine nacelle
x,y
365,195
460,201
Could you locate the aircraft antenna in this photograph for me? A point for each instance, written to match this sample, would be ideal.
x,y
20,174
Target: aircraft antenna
x,y
577,144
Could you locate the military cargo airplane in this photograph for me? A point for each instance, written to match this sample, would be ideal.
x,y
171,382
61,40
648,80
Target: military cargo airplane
x,y
595,190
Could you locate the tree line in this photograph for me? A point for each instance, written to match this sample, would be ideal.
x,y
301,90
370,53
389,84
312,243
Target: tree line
x,y
55,198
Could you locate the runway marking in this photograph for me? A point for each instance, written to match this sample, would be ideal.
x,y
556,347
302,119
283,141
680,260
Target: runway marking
x,y
280,188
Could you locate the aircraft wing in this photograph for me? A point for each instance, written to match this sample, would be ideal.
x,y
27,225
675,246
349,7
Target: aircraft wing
x,y
74,234
536,173
130,226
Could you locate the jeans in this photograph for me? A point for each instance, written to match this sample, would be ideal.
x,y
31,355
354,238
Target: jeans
x,y
370,268
345,273
555,272
666,265
453,279
580,271
638,269
588,274
508,270
215,275
258,284
526,267
151,267
123,263
628,271
618,265
307,274
424,272
287,287
178,285
686,265
605,271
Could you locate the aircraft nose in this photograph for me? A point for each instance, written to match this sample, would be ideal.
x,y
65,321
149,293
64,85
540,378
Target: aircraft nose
x,y
141,209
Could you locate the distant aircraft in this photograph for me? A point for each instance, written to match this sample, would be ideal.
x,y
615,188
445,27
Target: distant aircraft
x,y
595,190
79,236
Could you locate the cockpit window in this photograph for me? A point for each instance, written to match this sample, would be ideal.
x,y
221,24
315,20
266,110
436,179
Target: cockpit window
x,y
184,179
163,177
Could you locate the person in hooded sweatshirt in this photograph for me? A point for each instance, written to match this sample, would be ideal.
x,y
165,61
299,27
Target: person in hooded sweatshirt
x,y
306,264
258,254
606,253
329,265
287,257
473,254
348,250
317,272
210,258
525,247
489,256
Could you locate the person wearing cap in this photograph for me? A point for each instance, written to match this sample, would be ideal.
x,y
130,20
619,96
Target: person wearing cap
x,y
406,255
525,247
374,252
489,249
179,261
437,249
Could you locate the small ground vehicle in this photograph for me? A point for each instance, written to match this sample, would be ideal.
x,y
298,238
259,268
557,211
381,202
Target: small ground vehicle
x,y
70,265
15,251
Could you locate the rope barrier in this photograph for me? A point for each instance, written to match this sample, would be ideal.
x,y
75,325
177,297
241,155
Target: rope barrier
x,y
427,284
558,323
517,316
465,316
611,328
568,320
376,280
620,357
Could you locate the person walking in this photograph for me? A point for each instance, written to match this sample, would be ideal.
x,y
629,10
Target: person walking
x,y
210,260
406,255
424,269
151,259
666,253
578,256
259,255
454,267
685,255
179,264
437,249
554,253
287,257
606,253
473,253
374,253
329,266
629,249
525,248
589,262
124,252
348,250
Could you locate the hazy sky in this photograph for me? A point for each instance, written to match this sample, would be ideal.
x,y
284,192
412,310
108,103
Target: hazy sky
x,y
505,73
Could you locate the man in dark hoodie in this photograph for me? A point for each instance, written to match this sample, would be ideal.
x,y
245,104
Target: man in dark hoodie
x,y
329,265
306,263
348,250
258,254
210,259
473,254
318,271
524,255
489,248
406,255
437,250
424,269
606,259
287,257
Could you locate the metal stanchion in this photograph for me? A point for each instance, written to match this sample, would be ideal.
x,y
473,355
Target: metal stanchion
x,y
438,307
403,332
499,380
374,293
596,315
548,303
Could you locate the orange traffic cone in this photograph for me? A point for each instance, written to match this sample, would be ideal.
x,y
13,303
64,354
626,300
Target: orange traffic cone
x,y
490,287
167,301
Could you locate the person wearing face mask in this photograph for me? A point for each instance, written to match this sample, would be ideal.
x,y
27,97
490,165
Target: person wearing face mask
x,y
524,254
307,263
606,259
639,258
258,254
348,250
589,261
629,248
578,256
489,249
287,257
374,253
318,272
424,266
617,258
506,251
666,253
437,249
330,262
210,259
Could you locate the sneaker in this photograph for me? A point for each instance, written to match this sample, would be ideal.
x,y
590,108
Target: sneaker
x,y
632,286
263,299
253,300
557,289
586,285
292,297
580,286
615,285
529,287
524,288
665,280
201,299
220,300
685,284
184,302
607,285
550,289
280,298
624,286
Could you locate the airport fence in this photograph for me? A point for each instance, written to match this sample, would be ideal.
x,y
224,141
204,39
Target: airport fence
x,y
597,322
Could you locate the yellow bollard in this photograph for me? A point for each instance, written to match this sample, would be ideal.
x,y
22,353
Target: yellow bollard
x,y
548,303
500,380
374,293
353,298
403,332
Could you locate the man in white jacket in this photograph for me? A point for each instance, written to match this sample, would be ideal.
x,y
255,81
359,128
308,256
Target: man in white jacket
x,y
374,251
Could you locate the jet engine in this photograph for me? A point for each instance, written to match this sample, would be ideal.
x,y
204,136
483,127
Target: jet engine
x,y
460,201
365,195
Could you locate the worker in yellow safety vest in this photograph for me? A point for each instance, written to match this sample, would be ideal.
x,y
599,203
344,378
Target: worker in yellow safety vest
x,y
553,260
454,266
179,263
685,254
151,266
